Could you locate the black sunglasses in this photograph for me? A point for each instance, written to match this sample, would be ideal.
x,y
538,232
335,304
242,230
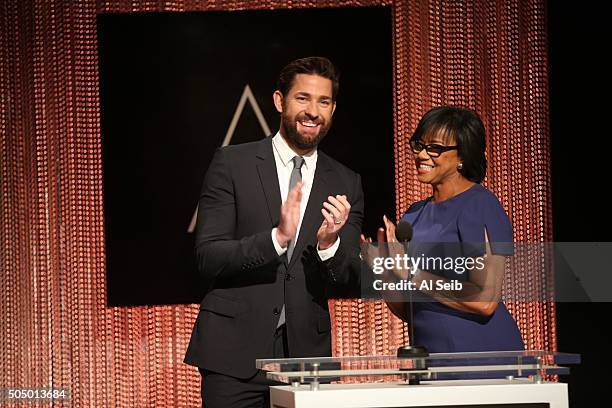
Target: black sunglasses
x,y
433,150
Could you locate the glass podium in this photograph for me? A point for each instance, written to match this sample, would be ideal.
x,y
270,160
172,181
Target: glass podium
x,y
504,379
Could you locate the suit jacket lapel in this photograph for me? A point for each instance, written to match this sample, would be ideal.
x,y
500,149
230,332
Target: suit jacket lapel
x,y
268,177
312,215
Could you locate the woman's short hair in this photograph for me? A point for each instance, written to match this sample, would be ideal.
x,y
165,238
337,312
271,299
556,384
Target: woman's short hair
x,y
463,127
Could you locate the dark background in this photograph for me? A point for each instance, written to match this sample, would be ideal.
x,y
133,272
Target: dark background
x,y
579,36
170,84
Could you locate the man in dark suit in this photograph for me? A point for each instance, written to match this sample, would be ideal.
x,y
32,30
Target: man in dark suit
x,y
277,235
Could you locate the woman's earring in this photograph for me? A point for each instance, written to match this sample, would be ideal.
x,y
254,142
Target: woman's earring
x,y
460,166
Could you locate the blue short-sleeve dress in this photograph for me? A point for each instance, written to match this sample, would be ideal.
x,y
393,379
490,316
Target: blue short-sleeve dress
x,y
463,219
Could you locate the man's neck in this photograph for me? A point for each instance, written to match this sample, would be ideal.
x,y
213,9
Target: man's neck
x,y
296,150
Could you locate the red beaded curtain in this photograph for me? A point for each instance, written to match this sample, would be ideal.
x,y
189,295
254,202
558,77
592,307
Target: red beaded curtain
x,y
55,327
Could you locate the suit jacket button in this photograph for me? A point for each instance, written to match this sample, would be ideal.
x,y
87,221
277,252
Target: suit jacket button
x,y
276,311
288,276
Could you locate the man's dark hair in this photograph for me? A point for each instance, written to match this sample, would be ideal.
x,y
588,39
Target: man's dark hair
x,y
320,66
464,128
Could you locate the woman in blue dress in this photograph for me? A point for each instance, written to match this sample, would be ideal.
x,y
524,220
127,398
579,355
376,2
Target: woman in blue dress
x,y
449,154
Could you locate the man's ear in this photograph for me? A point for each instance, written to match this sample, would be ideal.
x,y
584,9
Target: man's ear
x,y
334,108
278,101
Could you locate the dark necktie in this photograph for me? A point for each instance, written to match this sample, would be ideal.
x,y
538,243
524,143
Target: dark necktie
x,y
296,175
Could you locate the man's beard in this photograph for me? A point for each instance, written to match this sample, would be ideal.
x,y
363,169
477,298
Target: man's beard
x,y
289,125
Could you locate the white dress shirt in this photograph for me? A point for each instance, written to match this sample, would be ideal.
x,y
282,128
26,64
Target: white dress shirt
x,y
283,156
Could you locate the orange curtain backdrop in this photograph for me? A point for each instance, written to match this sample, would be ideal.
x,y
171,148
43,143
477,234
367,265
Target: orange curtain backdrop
x,y
55,328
